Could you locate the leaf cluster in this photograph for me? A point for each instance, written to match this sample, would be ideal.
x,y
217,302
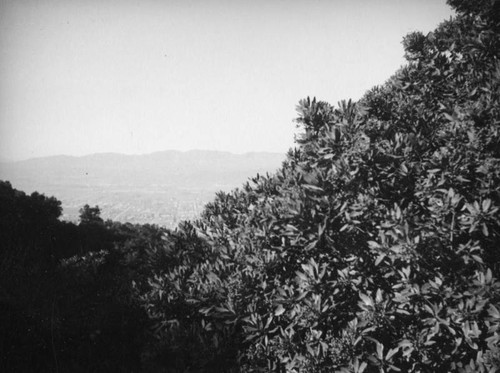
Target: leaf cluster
x,y
374,248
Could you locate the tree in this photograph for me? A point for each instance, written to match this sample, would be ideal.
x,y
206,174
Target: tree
x,y
90,215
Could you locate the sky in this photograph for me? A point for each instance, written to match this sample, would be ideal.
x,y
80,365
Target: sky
x,y
88,76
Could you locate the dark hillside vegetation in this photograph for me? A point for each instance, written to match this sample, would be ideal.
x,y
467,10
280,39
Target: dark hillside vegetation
x,y
375,248
66,291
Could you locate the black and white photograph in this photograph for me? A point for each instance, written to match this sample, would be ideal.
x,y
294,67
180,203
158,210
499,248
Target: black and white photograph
x,y
226,186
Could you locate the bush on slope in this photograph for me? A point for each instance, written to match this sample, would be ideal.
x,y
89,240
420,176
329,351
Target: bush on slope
x,y
375,247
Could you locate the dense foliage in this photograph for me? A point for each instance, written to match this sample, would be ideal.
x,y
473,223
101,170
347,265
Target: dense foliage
x,y
375,248
66,294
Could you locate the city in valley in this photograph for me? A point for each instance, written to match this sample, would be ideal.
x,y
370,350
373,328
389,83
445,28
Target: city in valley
x,y
161,188
156,204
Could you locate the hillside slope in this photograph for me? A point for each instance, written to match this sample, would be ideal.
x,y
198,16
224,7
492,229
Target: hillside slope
x,y
375,247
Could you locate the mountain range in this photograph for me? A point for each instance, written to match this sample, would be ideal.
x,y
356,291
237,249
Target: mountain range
x,y
161,188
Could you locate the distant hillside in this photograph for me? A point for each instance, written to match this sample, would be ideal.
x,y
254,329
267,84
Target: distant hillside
x,y
161,187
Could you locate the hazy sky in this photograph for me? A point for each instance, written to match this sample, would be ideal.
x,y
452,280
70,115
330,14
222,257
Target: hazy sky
x,y
86,76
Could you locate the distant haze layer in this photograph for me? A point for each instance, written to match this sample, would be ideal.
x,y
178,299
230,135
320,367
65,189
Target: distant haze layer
x,y
161,188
